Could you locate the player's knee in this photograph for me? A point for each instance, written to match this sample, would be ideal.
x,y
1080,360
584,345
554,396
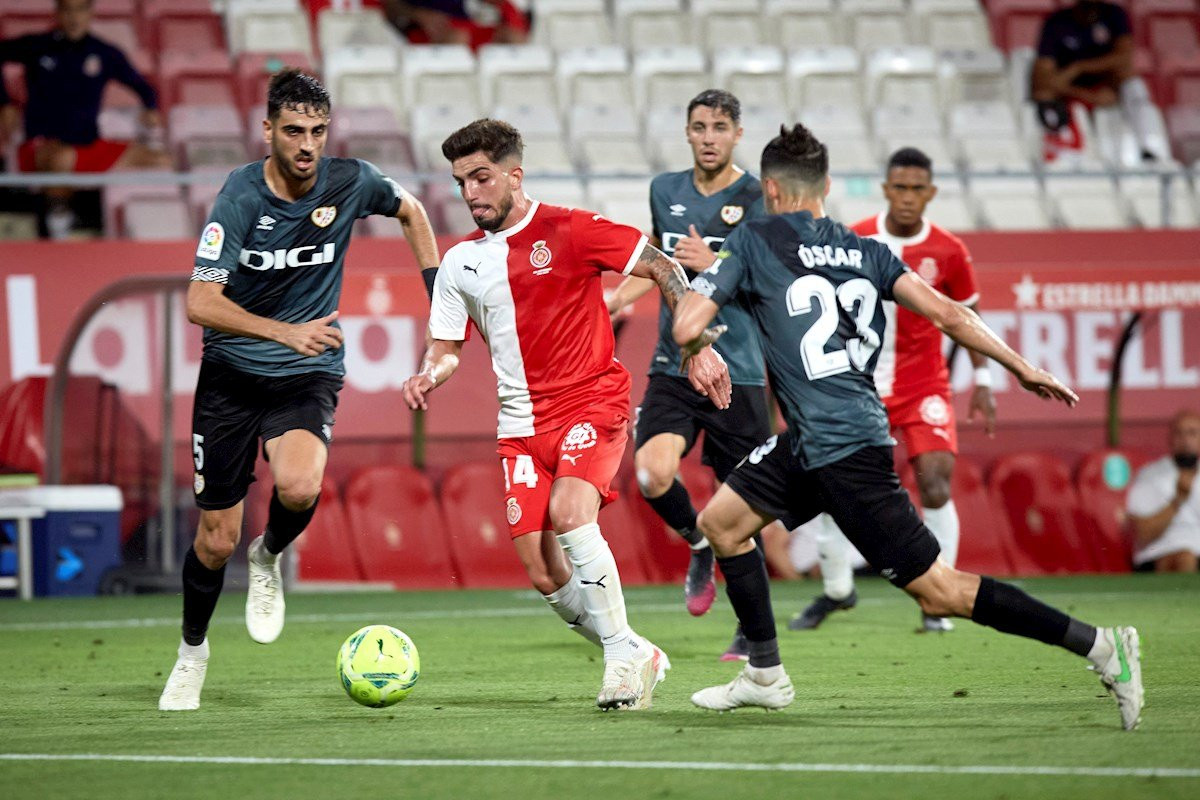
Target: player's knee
x,y
568,519
298,493
720,537
215,543
935,490
541,580
654,482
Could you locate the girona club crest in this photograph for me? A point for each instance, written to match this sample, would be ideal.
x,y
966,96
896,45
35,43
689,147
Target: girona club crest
x,y
580,437
540,257
934,411
512,511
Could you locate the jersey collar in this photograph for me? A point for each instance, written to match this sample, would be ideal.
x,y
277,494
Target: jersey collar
x,y
515,229
898,242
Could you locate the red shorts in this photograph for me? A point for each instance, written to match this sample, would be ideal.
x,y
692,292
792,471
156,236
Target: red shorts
x,y
99,156
924,422
589,447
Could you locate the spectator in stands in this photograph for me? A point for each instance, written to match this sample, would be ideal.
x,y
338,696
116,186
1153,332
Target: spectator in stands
x,y
1085,54
469,22
1164,504
66,70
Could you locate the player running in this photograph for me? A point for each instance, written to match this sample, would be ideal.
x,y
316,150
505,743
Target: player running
x,y
265,287
692,212
530,281
912,378
815,290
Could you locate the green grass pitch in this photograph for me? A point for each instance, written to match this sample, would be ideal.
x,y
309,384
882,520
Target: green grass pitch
x,y
507,696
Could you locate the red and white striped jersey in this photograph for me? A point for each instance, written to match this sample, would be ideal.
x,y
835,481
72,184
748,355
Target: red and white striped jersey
x,y
534,293
911,362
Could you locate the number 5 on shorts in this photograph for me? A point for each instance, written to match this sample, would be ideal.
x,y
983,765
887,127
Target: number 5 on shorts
x,y
198,451
523,472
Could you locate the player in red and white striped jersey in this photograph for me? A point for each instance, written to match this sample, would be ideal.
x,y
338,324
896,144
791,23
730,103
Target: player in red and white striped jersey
x,y
530,281
912,376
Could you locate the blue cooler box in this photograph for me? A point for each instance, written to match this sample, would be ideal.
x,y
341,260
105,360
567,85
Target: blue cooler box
x,y
78,539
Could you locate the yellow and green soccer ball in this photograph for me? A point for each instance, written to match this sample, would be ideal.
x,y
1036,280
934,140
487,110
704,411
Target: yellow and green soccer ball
x,y
378,666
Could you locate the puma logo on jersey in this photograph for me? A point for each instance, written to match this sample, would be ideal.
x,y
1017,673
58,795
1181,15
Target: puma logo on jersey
x,y
572,458
474,269
828,256
308,256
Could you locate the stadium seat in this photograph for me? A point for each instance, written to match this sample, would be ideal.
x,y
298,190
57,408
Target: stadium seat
x,y
952,208
565,23
206,136
594,75
325,552
182,26
430,124
365,76
157,219
358,27
643,24
116,197
1145,194
1086,203
440,73
985,537
1179,75
760,124
517,73
973,76
871,24
372,134
569,192
791,22
904,76
910,126
254,71
1103,480
1010,203
753,73
399,534
1037,495
447,211
664,75
266,29
608,139
545,143
202,194
601,190
824,75
203,78
1184,124
668,552
1171,34
1018,23
669,149
727,23
987,137
627,211
950,24
472,501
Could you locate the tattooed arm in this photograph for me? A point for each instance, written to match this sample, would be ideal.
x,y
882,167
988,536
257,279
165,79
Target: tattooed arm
x,y
707,371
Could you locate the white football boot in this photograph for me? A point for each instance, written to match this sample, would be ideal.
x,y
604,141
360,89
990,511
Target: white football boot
x,y
745,691
629,685
1121,674
182,692
264,597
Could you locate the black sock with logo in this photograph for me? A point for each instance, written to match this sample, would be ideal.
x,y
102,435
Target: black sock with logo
x,y
1008,609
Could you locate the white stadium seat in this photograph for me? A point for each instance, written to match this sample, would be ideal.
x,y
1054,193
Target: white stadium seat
x,y
652,23
1087,202
267,26
946,24
666,75
365,76
373,134
437,73
665,137
971,75
753,74
608,139
540,127
727,23
819,75
566,23
1010,203
987,137
903,76
569,192
430,124
1145,194
364,26
590,75
871,24
157,219
517,73
207,135
803,23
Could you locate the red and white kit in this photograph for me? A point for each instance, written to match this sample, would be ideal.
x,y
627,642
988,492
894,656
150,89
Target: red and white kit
x,y
534,292
911,374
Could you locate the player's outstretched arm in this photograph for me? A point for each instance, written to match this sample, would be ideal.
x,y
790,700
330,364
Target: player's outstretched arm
x,y
441,359
207,305
419,233
983,402
965,327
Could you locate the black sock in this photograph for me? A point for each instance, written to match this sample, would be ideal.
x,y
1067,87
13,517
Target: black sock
x,y
1010,610
750,595
676,509
201,590
284,525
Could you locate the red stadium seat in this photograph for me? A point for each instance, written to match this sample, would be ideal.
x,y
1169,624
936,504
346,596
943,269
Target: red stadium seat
x,y
1103,480
1184,124
472,499
399,534
204,78
1180,79
985,539
1049,532
1017,23
325,551
1172,35
254,72
182,26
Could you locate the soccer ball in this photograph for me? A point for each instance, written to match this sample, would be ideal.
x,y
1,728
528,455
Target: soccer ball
x,y
378,666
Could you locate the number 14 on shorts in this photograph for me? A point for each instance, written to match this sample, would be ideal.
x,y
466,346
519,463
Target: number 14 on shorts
x,y
523,472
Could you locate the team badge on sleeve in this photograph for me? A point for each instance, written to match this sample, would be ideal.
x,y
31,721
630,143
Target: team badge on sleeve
x,y
322,217
211,242
540,257
732,215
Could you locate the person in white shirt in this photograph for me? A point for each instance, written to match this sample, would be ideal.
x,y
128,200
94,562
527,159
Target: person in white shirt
x,y
1164,504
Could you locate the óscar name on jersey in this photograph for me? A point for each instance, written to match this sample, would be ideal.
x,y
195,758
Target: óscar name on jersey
x,y
828,256
308,256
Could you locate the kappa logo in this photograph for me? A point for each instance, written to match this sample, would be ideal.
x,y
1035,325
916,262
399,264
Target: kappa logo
x,y
732,215
266,223
512,511
211,242
539,257
678,210
322,217
934,411
581,436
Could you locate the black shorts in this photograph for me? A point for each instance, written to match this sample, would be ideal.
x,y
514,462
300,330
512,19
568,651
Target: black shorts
x,y
671,405
233,410
862,494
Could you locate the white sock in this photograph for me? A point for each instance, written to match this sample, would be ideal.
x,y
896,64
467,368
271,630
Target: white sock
x,y
600,588
567,602
943,524
259,552
1102,649
764,676
193,650
1139,113
834,550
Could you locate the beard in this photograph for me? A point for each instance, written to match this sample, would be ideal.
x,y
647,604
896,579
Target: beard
x,y
502,211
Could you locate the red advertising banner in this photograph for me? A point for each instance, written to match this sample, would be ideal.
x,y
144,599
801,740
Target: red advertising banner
x,y
1060,298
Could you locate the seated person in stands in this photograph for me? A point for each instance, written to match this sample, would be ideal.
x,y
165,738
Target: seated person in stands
x,y
1085,54
469,22
1164,503
66,70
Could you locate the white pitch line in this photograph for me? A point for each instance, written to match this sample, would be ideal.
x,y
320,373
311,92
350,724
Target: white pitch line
x,y
689,766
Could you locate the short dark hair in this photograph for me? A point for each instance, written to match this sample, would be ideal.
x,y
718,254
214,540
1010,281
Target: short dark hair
x,y
910,157
493,137
718,100
796,156
293,88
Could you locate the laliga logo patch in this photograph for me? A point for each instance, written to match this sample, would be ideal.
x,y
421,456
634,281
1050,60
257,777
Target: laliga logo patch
x,y
512,511
540,257
211,241
580,437
732,215
928,269
323,216
198,483
934,411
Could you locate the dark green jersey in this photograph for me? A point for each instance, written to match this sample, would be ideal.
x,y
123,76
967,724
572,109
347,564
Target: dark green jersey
x,y
674,205
815,290
284,260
